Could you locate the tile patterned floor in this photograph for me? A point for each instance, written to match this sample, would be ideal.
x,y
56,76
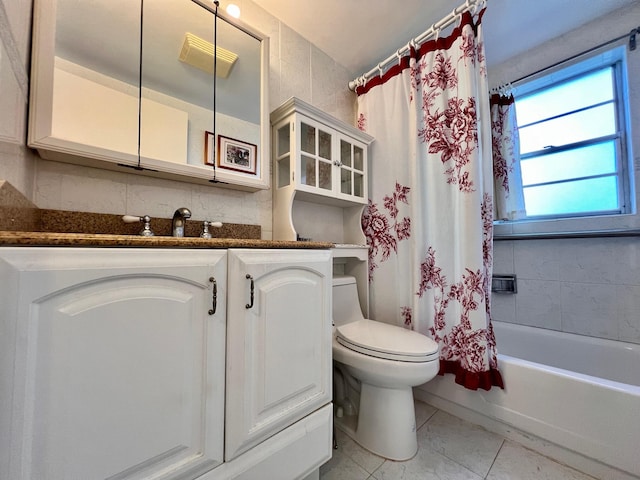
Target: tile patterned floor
x,y
448,449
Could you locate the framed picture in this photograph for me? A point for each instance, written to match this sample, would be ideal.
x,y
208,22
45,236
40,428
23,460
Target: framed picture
x,y
232,154
209,148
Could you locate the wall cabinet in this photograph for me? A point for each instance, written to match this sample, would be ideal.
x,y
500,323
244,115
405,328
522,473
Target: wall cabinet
x,y
327,163
146,364
109,89
317,159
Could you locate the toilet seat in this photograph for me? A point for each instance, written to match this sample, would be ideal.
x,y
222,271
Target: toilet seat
x,y
386,341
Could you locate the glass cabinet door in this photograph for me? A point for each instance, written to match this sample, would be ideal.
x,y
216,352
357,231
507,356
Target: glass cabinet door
x,y
352,175
358,172
283,155
316,156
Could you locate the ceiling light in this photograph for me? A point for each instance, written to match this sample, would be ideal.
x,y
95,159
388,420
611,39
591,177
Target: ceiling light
x,y
233,10
199,53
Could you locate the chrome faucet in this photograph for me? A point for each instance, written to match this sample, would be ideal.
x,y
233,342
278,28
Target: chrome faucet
x,y
179,220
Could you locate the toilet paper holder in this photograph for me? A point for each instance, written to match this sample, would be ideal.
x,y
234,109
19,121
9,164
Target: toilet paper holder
x,y
504,284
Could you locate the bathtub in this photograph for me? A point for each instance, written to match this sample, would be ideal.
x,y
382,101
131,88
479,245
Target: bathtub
x,y
580,393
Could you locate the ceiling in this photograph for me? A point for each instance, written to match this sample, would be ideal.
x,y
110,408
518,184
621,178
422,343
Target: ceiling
x,y
359,34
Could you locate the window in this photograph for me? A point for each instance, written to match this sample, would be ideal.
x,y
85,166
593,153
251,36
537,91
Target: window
x,y
573,140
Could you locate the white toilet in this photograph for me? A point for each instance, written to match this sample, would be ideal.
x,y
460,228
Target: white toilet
x,y
381,363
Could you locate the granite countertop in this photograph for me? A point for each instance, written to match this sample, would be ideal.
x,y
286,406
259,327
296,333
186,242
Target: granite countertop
x,y
52,239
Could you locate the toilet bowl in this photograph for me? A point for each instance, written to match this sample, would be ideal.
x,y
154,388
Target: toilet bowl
x,y
381,363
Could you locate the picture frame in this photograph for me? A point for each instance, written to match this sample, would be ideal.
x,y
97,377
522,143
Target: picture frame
x,y
209,148
231,154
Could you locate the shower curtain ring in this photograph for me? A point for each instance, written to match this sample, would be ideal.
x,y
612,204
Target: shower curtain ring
x,y
399,55
380,70
436,28
457,15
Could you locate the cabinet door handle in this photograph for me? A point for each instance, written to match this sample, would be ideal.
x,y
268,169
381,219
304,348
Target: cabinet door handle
x,y
214,297
250,304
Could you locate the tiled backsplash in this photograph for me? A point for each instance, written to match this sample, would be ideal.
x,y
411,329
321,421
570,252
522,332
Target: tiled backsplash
x,y
18,214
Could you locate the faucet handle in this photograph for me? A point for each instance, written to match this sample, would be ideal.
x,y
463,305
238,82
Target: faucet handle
x,y
205,228
146,230
131,219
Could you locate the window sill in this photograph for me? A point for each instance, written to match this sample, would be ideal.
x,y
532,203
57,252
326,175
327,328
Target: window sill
x,y
625,225
585,234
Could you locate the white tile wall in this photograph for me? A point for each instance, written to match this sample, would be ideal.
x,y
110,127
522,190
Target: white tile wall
x,y
297,68
538,303
16,161
590,309
628,302
584,286
535,261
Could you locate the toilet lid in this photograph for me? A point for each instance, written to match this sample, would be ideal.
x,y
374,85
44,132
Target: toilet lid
x,y
387,341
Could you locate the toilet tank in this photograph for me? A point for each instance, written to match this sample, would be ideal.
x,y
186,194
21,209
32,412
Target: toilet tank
x,y
346,305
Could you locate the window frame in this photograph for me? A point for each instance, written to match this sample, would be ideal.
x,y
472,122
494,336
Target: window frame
x,y
614,58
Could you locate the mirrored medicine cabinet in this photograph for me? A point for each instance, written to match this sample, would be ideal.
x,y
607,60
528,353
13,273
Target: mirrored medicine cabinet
x,y
128,85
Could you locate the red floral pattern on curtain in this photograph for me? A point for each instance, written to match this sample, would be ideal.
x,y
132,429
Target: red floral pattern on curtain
x,y
362,122
384,232
425,115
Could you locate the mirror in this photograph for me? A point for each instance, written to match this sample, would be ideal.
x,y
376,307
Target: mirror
x,y
92,75
178,84
138,93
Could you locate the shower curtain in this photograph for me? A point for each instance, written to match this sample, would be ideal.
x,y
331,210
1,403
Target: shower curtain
x,y
429,219
509,197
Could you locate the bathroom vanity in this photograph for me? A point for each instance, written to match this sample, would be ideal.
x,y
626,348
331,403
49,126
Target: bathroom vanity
x,y
141,363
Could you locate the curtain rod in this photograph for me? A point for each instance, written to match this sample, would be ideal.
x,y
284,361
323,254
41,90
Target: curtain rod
x,y
632,46
435,28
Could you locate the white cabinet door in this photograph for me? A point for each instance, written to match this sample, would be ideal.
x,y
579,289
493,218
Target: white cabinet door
x,y
316,158
118,367
278,342
350,183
